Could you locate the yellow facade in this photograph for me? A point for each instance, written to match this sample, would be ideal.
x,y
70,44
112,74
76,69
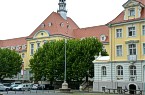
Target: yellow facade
x,y
124,39
136,37
38,39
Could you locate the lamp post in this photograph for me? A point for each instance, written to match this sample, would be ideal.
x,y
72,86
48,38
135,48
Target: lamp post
x,y
65,84
65,61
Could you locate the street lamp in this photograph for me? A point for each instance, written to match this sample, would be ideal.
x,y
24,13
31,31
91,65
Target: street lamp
x,y
65,84
65,61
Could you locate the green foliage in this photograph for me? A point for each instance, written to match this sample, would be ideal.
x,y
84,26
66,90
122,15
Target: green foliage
x,y
10,63
49,60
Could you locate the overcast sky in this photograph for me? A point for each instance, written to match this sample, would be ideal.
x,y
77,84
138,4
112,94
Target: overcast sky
x,y
19,18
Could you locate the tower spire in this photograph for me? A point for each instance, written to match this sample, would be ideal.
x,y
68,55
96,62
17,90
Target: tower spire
x,y
62,8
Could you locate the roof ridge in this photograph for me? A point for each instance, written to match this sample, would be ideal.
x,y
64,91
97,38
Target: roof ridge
x,y
14,38
92,26
115,18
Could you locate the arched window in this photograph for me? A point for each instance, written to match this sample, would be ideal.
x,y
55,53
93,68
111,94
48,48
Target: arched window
x,y
104,71
119,70
132,69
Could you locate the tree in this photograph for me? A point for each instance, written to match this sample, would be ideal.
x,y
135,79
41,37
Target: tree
x,y
48,61
10,63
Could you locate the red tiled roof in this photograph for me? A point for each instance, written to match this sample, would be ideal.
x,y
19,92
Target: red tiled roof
x,y
95,31
0,43
56,20
120,17
13,42
141,1
74,31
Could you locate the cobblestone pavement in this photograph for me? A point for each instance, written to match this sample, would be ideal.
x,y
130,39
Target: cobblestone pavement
x,y
32,93
50,92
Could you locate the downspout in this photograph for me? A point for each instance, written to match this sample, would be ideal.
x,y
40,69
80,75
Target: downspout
x,y
110,32
98,78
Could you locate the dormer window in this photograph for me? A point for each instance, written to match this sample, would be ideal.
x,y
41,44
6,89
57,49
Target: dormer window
x,y
42,25
61,24
131,12
68,26
49,24
102,37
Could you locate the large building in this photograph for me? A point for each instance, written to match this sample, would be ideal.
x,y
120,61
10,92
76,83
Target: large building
x,y
56,26
123,38
124,68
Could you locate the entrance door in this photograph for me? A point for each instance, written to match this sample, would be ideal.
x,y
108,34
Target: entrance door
x,y
132,89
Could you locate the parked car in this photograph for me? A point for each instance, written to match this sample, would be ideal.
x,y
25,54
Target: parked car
x,y
14,84
34,86
4,88
7,84
22,87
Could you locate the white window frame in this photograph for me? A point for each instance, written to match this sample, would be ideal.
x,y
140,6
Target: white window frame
x,y
131,12
134,73
104,71
38,45
119,50
23,55
143,48
31,49
102,37
132,30
42,25
103,48
119,33
143,30
132,49
119,70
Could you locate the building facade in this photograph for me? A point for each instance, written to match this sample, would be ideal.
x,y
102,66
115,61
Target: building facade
x,y
56,26
125,68
123,38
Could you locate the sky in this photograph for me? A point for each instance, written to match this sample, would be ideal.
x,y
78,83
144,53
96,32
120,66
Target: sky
x,y
19,18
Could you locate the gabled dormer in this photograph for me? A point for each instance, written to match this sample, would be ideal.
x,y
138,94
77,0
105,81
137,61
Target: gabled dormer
x,y
133,9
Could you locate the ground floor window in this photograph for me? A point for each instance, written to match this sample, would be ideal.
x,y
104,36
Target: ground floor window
x,y
103,89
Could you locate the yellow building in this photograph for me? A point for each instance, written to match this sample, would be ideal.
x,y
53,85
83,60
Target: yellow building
x,y
123,38
125,69
56,26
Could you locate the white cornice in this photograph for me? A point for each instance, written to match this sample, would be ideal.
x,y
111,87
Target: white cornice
x,y
129,22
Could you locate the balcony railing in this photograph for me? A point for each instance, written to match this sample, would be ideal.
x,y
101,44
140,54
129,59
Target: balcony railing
x,y
132,57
